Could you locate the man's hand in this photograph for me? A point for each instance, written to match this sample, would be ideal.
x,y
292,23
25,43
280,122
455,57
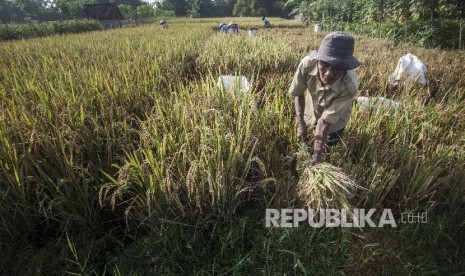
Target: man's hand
x,y
302,132
322,129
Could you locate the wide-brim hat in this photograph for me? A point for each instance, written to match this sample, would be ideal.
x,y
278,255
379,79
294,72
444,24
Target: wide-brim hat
x,y
337,49
162,22
231,23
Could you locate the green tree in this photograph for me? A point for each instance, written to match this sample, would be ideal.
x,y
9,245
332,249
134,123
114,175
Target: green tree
x,y
424,9
241,8
133,3
30,7
453,8
376,10
298,7
144,11
257,8
400,10
278,9
222,7
160,13
127,11
71,7
193,9
179,7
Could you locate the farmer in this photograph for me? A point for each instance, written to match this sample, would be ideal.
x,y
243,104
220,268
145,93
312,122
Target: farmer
x,y
233,28
164,24
266,23
223,28
324,88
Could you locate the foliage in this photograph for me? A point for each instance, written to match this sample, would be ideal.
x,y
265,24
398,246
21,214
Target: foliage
x,y
127,11
241,8
440,33
144,11
366,11
17,31
359,11
159,13
193,8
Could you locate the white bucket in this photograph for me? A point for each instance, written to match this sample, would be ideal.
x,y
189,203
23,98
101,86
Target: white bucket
x,y
253,32
233,83
317,28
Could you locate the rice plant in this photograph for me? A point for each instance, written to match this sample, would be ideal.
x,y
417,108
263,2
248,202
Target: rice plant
x,y
324,185
127,127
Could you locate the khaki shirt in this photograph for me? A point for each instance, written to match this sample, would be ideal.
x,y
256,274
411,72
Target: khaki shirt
x,y
332,103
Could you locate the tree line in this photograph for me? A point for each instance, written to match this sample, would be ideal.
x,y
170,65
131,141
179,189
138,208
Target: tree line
x,y
369,11
20,10
359,11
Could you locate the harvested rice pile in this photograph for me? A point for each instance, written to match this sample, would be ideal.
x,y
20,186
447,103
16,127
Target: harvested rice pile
x,y
324,185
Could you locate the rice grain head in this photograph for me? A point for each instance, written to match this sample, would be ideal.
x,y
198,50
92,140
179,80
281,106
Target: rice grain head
x,y
324,185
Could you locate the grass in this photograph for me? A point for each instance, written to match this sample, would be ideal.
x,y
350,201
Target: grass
x,y
119,155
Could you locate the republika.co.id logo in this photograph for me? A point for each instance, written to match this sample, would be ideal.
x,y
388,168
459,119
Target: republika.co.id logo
x,y
359,218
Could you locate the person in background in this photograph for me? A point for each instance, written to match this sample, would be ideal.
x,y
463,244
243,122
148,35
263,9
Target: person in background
x,y
164,24
324,87
223,28
253,31
233,28
266,23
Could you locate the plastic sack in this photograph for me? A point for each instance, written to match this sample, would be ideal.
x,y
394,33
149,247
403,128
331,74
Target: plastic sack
x,y
411,66
253,31
377,103
233,83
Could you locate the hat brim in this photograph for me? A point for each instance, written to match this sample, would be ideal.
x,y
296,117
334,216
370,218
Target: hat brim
x,y
338,63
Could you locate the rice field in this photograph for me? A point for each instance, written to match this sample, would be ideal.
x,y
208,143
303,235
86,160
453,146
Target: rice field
x,y
117,142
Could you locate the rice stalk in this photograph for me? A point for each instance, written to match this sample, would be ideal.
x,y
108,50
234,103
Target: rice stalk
x,y
324,185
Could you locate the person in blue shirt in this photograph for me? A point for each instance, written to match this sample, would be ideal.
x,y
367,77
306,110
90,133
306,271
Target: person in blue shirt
x,y
223,28
233,28
266,23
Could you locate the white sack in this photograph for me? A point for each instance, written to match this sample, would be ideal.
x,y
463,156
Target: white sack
x,y
377,103
233,83
410,66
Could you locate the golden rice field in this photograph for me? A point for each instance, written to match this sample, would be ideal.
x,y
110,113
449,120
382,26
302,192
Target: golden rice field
x,y
119,140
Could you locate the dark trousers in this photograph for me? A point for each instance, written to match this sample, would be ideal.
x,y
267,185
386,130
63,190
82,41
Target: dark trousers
x,y
334,138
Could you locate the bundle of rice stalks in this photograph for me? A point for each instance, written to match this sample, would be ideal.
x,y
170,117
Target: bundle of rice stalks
x,y
324,185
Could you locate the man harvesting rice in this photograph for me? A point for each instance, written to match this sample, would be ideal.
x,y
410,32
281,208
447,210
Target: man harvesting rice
x,y
266,23
324,87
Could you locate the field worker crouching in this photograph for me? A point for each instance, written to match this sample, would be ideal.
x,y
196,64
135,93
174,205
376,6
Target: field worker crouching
x,y
324,88
223,28
233,28
164,24
266,23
